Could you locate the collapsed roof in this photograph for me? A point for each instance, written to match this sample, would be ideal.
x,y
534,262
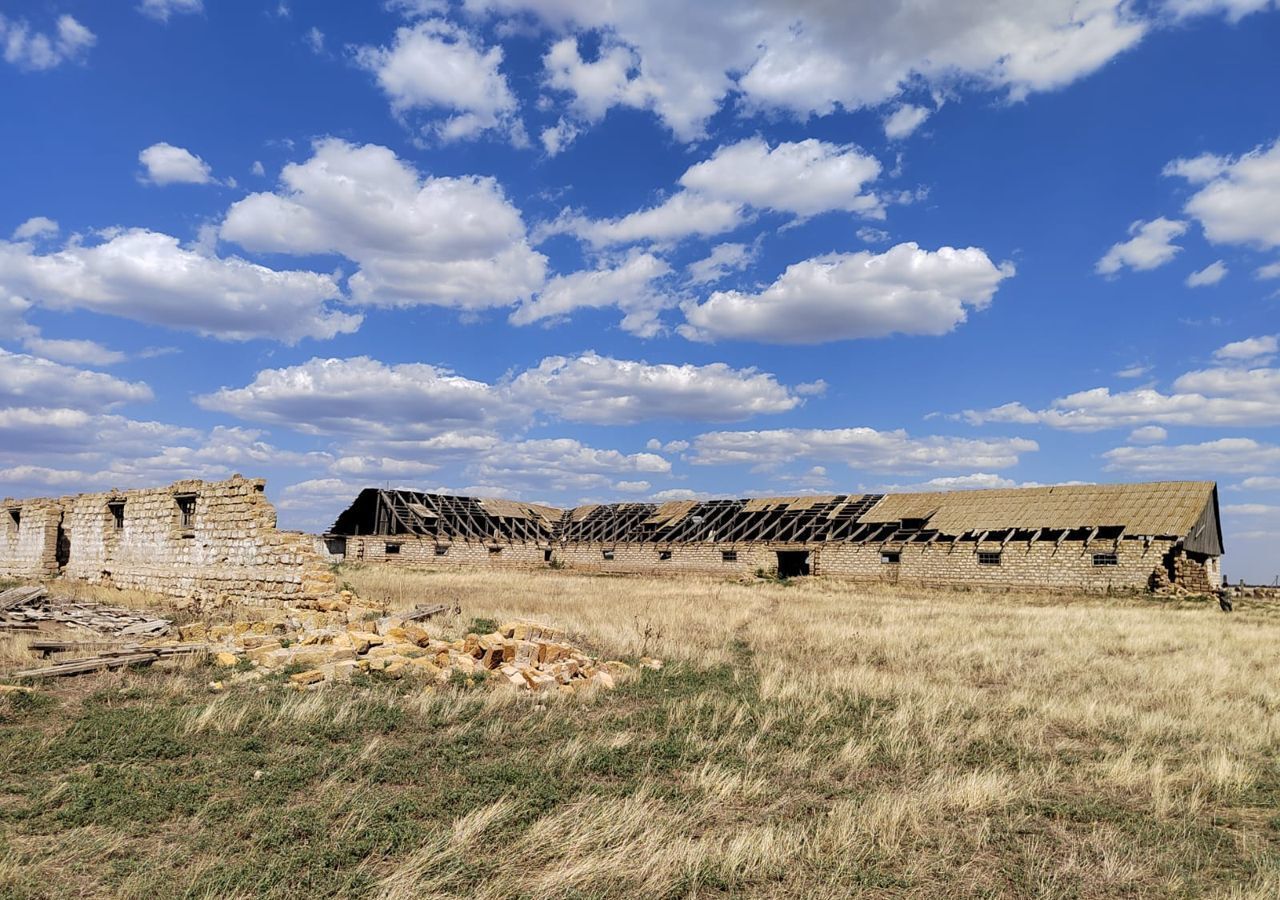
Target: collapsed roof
x,y
1180,510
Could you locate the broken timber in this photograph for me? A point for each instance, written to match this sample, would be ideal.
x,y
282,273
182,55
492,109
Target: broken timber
x,y
20,596
426,612
119,660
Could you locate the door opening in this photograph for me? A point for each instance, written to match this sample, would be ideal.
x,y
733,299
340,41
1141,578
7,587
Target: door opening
x,y
793,563
62,551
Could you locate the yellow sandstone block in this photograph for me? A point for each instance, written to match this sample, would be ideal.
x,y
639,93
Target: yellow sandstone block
x,y
260,653
425,666
363,640
416,635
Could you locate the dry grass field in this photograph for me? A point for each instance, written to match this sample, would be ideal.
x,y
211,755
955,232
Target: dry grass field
x,y
807,739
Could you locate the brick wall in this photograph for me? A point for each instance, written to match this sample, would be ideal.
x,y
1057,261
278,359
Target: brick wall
x,y
1068,565
230,548
27,547
1039,564
421,551
1197,573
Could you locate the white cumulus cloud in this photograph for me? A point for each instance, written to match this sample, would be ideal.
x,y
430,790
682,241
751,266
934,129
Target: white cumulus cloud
x,y
561,464
362,396
161,10
628,286
809,57
148,277
601,390
802,178
28,381
448,241
1239,198
720,262
434,65
1150,245
36,51
1148,434
904,120
1225,455
167,164
35,228
1228,394
905,290
1209,275
858,448
1249,348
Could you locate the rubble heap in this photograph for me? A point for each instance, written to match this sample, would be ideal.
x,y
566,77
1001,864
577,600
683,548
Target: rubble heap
x,y
525,655
331,640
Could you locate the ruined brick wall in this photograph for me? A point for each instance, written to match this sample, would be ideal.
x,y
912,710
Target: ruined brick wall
x,y
700,558
1201,575
28,538
420,551
227,547
1069,565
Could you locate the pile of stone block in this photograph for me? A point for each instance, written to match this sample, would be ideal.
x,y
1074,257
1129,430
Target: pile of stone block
x,y
333,645
333,639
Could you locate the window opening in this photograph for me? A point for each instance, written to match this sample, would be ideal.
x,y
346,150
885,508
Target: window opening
x,y
186,511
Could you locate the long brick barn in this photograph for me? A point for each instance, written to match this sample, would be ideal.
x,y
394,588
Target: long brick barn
x,y
1091,537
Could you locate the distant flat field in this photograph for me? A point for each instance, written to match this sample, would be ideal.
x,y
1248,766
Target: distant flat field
x,y
806,739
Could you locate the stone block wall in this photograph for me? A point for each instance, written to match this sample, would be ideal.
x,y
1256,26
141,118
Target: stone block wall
x,y
695,558
228,549
1069,565
28,538
1197,573
420,551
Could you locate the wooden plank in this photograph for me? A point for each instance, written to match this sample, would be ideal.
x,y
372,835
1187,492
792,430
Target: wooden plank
x,y
92,664
424,612
21,596
109,661
46,648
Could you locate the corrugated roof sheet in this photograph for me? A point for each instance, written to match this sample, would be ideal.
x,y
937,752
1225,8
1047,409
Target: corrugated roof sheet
x,y
1156,508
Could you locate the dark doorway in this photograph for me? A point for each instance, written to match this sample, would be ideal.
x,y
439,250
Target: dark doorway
x,y
793,563
62,550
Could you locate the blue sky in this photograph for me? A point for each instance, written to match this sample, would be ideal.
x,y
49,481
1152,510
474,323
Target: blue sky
x,y
571,251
